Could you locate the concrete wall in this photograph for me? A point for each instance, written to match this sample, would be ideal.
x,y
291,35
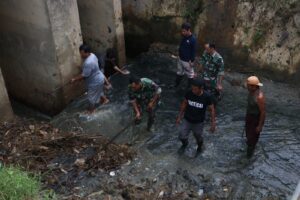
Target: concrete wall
x,y
250,34
38,50
102,26
5,107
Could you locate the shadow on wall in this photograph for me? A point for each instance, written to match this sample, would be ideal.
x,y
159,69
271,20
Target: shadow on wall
x,y
140,33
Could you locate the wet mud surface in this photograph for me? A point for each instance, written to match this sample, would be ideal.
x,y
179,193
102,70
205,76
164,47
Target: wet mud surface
x,y
221,172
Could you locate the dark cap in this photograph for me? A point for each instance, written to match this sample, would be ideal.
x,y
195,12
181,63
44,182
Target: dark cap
x,y
186,26
198,83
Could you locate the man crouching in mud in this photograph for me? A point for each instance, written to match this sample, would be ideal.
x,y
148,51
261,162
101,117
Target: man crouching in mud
x,y
144,94
193,109
256,113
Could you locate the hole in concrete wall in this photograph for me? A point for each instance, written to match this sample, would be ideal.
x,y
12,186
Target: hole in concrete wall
x,y
140,34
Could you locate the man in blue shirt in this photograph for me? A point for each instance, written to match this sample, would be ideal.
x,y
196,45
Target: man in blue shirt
x,y
187,53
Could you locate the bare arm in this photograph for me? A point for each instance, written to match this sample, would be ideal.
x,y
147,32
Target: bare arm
x,y
118,69
220,79
181,112
212,118
136,109
156,96
262,108
77,78
106,81
221,73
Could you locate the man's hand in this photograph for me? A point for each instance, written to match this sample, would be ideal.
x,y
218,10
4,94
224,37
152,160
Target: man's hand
x,y
258,129
191,63
219,87
150,105
138,116
213,127
108,86
178,120
73,80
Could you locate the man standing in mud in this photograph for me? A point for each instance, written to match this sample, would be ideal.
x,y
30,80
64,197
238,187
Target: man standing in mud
x,y
144,94
256,113
193,109
213,71
187,53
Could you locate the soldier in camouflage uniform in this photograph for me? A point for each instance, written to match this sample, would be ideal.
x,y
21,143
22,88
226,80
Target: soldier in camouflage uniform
x,y
213,71
144,94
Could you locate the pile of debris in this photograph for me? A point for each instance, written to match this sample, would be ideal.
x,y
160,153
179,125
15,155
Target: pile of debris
x,y
58,156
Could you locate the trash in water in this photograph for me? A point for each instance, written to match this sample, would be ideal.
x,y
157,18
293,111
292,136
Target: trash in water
x,y
200,192
112,173
161,194
225,189
79,162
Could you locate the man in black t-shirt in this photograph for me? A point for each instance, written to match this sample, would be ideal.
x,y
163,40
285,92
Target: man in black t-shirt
x,y
193,109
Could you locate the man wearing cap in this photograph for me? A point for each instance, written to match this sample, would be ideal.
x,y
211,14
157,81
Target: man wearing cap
x,y
187,53
213,71
192,111
256,113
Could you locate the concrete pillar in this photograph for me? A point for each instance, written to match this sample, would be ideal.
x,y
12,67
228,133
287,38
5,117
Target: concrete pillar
x,y
5,107
66,32
39,42
102,26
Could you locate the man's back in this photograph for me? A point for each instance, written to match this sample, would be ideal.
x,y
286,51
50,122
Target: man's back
x,y
91,71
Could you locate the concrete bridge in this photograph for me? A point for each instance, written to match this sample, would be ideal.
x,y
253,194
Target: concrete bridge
x,y
39,42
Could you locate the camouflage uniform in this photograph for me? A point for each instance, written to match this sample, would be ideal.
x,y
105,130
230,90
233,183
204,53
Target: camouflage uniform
x,y
213,67
144,95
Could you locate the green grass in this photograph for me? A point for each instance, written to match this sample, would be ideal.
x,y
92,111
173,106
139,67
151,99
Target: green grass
x,y
16,184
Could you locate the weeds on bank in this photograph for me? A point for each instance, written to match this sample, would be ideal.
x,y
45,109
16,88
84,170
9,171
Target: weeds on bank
x,y
16,184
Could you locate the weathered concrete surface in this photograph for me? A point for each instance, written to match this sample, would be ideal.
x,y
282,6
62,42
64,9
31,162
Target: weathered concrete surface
x,y
66,31
5,107
39,41
102,25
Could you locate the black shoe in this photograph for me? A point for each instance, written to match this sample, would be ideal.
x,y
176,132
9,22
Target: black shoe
x,y
137,121
149,124
181,149
250,151
183,146
199,150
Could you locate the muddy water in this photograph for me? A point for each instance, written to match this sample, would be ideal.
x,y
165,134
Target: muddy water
x,y
221,171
